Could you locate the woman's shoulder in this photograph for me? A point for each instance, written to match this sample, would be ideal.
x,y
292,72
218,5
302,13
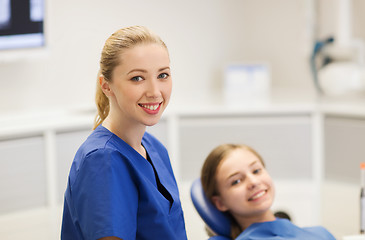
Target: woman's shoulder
x,y
97,139
96,146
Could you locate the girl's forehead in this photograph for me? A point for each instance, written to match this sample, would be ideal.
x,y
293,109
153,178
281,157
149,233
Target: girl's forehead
x,y
238,158
241,155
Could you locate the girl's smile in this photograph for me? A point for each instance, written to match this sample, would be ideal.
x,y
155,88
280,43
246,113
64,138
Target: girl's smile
x,y
258,196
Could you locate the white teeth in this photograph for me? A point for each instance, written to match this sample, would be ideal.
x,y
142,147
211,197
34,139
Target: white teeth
x,y
150,107
258,195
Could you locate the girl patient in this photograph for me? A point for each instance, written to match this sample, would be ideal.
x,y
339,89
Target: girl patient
x,y
234,178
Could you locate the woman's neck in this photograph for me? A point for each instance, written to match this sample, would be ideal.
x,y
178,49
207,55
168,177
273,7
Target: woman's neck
x,y
130,133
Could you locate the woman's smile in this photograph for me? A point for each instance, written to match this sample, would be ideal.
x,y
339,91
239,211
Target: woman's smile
x,y
151,108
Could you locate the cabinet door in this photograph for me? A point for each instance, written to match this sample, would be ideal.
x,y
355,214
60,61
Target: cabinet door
x,y
67,144
344,148
283,142
22,173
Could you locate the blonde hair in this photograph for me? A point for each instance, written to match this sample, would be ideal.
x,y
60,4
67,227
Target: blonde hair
x,y
209,170
114,46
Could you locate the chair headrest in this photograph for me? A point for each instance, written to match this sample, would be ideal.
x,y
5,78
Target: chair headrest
x,y
216,220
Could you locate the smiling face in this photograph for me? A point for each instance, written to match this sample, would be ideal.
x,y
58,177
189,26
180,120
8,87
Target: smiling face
x,y
245,188
141,85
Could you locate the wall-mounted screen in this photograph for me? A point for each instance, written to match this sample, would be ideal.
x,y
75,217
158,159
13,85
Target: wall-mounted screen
x,y
21,24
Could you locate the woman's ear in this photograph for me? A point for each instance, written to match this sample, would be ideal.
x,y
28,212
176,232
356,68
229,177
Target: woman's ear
x,y
218,203
105,86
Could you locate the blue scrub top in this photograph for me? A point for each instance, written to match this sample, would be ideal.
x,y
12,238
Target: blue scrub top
x,y
283,229
112,191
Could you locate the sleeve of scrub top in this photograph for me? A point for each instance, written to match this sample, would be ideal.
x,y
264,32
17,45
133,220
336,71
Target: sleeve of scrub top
x,y
105,196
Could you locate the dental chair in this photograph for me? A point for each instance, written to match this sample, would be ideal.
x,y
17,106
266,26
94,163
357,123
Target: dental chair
x,y
215,220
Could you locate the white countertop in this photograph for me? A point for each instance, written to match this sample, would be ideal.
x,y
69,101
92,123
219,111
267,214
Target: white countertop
x,y
281,102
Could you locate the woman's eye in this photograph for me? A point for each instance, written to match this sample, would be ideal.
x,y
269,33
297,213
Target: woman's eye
x,y
163,76
256,171
136,78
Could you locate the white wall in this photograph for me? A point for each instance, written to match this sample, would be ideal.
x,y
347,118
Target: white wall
x,y
202,37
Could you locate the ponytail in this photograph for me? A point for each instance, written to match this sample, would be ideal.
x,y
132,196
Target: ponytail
x,y
102,104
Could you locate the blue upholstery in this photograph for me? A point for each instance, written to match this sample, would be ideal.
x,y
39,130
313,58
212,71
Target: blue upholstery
x,y
216,220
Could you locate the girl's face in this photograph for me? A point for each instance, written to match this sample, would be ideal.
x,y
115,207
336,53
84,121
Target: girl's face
x,y
141,85
245,188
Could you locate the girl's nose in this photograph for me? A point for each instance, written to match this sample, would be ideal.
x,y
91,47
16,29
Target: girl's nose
x,y
252,181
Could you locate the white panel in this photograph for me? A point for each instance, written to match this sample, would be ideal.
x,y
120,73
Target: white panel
x,y
67,145
341,208
344,148
284,143
22,171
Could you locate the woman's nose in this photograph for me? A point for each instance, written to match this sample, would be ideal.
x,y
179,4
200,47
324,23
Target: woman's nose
x,y
153,89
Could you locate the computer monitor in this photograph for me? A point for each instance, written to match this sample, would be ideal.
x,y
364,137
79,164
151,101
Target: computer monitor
x,y
22,28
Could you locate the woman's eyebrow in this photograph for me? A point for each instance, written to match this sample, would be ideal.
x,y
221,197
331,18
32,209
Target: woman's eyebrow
x,y
163,69
144,71
137,70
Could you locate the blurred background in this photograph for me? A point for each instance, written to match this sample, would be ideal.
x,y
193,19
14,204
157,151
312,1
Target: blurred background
x,y
202,38
312,99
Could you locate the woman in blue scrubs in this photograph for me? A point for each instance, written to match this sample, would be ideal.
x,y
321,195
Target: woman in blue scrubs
x,y
121,184
234,178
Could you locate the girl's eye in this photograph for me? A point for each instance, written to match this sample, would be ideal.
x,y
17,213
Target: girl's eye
x,y
163,76
137,78
235,182
257,171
